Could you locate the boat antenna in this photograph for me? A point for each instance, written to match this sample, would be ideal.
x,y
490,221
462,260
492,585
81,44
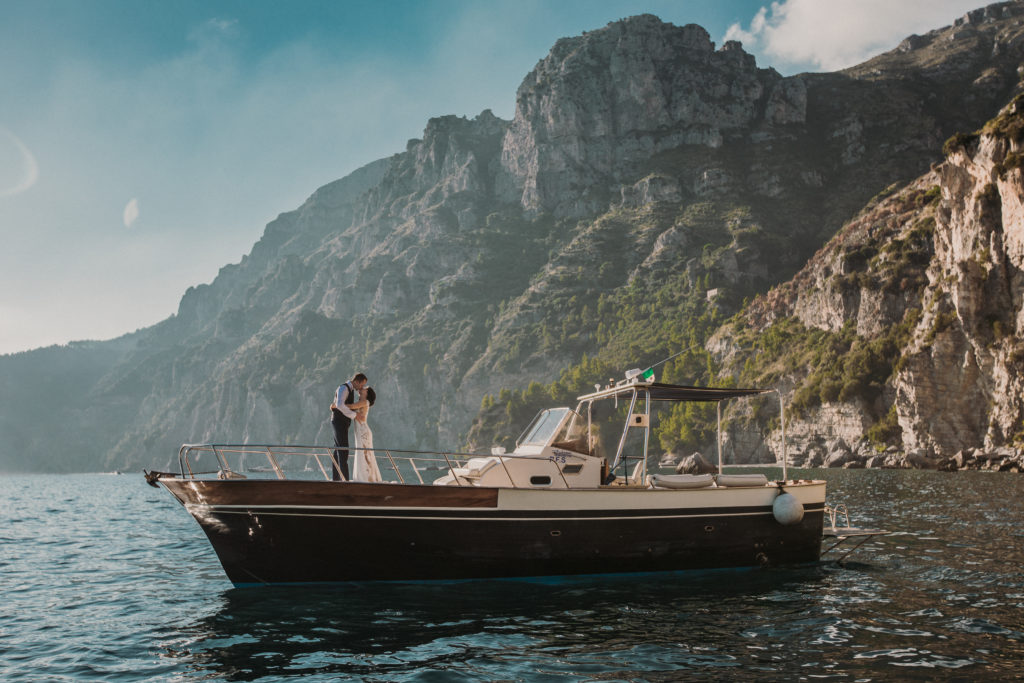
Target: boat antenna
x,y
672,356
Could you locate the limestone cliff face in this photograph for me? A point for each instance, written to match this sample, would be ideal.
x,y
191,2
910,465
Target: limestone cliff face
x,y
962,384
935,272
478,258
602,102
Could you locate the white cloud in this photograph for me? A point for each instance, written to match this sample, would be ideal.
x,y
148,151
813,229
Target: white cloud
x,y
213,31
835,34
29,167
131,212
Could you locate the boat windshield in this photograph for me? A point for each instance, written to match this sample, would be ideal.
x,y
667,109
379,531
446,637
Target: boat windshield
x,y
544,427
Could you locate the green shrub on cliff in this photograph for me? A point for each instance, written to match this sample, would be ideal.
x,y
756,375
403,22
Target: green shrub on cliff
x,y
1010,122
959,142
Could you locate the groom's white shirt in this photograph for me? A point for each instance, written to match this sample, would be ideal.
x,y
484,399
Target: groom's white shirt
x,y
339,400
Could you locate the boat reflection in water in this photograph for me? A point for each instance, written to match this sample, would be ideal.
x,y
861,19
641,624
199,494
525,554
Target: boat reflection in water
x,y
510,629
555,506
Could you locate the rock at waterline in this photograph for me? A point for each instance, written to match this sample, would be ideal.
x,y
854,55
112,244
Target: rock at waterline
x,y
695,463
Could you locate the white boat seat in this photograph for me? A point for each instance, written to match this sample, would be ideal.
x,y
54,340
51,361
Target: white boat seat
x,y
741,480
476,467
681,481
468,473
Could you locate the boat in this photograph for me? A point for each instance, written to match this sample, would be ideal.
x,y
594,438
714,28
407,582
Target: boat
x,y
575,497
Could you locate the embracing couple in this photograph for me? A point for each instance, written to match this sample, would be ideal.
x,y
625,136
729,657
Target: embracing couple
x,y
351,404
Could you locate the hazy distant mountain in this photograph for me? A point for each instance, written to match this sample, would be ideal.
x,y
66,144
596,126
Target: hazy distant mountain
x,y
648,184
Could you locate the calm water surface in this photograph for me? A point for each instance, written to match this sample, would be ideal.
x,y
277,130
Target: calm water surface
x,y
105,578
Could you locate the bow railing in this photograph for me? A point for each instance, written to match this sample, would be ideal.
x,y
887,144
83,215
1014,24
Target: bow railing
x,y
316,463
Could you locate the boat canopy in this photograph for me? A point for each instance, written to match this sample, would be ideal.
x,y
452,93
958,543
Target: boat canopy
x,y
672,392
634,390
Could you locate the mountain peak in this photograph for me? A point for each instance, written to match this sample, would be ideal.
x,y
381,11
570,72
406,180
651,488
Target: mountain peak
x,y
601,102
690,36
644,31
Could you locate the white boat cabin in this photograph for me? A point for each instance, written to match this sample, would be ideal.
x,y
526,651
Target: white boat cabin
x,y
551,453
560,448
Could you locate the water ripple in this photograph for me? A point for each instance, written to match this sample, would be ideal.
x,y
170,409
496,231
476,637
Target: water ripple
x,y
107,579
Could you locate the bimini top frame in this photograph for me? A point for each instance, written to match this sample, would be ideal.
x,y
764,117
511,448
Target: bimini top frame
x,y
656,391
672,392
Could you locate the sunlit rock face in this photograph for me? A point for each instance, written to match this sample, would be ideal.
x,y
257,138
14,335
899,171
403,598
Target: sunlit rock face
x,y
943,257
602,102
962,386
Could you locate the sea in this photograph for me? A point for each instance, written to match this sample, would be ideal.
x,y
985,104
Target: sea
x,y
105,578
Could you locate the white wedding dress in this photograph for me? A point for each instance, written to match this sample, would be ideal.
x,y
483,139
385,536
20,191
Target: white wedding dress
x,y
365,468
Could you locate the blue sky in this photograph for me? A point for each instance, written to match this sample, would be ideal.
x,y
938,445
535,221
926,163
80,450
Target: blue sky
x,y
143,145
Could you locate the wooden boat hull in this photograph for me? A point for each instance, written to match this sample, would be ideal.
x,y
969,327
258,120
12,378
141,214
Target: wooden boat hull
x,y
296,532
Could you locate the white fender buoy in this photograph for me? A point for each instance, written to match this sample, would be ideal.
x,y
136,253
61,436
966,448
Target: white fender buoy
x,y
787,509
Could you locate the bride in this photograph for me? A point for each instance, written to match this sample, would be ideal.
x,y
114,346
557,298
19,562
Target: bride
x,y
365,461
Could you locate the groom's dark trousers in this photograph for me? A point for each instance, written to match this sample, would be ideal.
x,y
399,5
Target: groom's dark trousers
x,y
341,425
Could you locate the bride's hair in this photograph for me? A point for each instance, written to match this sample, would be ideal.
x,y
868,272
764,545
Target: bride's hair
x,y
371,395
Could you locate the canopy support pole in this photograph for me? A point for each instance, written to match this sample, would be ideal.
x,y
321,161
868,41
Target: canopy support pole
x,y
590,428
625,431
647,432
718,408
782,417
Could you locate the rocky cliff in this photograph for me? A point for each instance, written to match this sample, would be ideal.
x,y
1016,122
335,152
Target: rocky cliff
x,y
903,338
648,183
599,105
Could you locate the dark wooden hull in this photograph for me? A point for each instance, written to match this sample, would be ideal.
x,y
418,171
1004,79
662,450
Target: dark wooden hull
x,y
290,532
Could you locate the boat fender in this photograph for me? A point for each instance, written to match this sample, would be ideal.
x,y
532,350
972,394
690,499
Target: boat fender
x,y
787,509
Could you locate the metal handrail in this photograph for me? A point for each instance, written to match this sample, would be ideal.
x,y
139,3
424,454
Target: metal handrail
x,y
833,511
395,467
316,456
445,459
273,463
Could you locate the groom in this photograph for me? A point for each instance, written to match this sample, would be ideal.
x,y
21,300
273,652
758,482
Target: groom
x,y
341,420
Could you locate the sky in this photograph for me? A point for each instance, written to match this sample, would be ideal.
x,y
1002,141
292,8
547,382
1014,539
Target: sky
x,y
144,145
